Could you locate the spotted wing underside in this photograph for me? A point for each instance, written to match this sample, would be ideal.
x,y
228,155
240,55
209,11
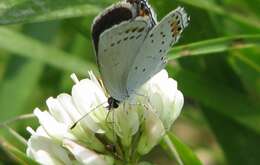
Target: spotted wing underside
x,y
152,56
117,49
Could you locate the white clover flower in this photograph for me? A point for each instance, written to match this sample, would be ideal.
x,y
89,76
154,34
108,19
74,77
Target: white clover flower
x,y
104,137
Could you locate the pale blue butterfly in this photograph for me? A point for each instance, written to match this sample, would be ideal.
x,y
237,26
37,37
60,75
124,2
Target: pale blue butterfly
x,y
131,46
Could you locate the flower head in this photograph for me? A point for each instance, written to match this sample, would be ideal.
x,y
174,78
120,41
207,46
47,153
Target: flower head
x,y
102,136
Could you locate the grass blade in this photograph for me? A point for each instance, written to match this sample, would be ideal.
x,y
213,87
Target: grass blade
x,y
223,99
35,11
17,87
18,155
215,46
214,8
233,136
30,48
184,156
72,12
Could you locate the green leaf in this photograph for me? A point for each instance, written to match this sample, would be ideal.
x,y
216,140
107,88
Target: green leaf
x,y
18,84
18,155
182,153
247,66
214,8
70,12
43,10
220,98
215,46
11,135
16,88
30,48
21,77
145,163
240,145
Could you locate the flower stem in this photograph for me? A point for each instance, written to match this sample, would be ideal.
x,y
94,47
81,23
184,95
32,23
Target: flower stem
x,y
167,141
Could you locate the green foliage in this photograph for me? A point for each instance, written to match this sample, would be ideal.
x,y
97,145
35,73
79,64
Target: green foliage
x,y
183,153
240,145
16,154
216,64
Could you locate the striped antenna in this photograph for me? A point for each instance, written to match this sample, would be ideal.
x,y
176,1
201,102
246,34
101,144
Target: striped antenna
x,y
82,117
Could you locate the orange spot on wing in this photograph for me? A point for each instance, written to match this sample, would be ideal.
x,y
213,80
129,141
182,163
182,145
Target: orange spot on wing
x,y
174,29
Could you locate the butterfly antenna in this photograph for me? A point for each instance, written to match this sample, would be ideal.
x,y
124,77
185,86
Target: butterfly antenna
x,y
82,117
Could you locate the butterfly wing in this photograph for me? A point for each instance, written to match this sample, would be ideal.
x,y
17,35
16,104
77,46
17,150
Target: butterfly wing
x,y
117,49
152,55
111,16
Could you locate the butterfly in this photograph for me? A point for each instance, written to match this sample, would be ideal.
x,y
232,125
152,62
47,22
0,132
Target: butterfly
x,y
131,46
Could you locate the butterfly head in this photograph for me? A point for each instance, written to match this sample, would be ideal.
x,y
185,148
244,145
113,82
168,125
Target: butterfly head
x,y
142,6
112,103
144,9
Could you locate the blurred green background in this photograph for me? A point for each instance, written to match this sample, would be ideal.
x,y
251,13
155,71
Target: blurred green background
x,y
216,64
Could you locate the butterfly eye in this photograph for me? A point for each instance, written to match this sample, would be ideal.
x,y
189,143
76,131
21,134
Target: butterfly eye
x,y
146,11
142,5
